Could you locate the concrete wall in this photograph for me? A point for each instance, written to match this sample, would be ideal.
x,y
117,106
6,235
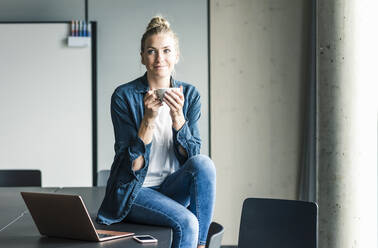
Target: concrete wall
x,y
259,53
347,112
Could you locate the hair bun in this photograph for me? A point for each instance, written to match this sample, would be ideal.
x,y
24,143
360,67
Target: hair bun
x,y
157,25
158,21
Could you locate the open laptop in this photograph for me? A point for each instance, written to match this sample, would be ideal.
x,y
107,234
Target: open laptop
x,y
65,216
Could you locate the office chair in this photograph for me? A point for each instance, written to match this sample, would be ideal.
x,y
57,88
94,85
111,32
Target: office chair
x,y
102,177
273,223
214,236
20,178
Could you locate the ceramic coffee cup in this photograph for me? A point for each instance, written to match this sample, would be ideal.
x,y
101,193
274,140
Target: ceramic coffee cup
x,y
160,93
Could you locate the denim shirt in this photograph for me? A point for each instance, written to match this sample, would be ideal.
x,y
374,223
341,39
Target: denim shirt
x,y
127,110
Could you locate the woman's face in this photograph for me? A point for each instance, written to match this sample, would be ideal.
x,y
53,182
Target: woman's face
x,y
160,55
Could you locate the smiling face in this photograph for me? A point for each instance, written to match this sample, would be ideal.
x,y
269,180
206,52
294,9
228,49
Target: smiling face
x,y
160,55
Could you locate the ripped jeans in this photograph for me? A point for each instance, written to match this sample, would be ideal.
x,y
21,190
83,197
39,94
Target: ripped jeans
x,y
184,202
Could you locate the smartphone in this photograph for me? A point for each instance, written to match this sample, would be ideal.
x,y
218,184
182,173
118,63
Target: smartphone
x,y
145,239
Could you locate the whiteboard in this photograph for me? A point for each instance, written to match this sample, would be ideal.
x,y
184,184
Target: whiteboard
x,y
45,103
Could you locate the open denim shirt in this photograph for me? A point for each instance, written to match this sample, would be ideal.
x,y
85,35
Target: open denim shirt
x,y
127,110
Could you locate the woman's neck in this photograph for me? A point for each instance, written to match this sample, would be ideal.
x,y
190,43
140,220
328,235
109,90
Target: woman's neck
x,y
158,83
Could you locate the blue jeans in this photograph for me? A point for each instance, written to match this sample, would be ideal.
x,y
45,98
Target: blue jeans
x,y
184,202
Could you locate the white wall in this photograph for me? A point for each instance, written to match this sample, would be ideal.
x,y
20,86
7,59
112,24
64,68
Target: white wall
x,y
258,65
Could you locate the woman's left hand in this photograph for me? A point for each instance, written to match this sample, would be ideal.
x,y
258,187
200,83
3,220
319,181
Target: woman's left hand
x,y
175,100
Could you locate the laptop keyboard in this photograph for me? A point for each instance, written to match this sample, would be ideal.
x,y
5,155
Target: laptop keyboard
x,y
103,235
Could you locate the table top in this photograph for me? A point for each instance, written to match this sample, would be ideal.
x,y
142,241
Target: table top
x,y
92,198
17,228
12,205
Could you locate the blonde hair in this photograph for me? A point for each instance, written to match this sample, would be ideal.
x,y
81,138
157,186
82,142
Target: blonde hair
x,y
157,25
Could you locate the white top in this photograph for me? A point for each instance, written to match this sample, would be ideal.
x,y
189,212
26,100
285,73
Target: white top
x,y
163,161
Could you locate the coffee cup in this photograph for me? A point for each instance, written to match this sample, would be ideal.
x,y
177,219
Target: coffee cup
x,y
160,93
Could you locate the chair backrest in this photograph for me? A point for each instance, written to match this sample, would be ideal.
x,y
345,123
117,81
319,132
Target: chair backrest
x,y
20,178
102,177
215,235
273,223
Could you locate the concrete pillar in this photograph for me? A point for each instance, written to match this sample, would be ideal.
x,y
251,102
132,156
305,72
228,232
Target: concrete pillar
x,y
347,123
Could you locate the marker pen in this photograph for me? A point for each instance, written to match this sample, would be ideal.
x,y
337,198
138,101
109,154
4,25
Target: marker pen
x,y
84,29
89,30
81,28
77,28
74,33
72,28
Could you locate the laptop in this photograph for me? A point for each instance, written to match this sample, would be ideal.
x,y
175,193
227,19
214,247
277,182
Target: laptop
x,y
65,216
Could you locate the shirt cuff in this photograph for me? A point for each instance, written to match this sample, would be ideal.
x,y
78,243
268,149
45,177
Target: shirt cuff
x,y
182,135
138,148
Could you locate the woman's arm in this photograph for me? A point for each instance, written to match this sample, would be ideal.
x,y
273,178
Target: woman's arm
x,y
185,129
147,126
175,100
129,148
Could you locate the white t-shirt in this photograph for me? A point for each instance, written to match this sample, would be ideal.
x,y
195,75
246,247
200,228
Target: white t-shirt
x,y
163,161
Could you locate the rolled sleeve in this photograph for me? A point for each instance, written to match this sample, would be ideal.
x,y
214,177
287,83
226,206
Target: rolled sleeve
x,y
126,134
188,135
179,140
124,183
137,148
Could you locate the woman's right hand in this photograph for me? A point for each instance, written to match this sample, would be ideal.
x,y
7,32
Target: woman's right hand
x,y
151,106
146,130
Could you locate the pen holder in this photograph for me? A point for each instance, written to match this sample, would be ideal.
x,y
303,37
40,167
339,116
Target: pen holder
x,y
77,41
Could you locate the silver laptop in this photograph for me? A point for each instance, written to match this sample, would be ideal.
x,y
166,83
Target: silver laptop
x,y
65,216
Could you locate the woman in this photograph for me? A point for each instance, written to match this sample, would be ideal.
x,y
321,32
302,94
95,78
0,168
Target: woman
x,y
158,176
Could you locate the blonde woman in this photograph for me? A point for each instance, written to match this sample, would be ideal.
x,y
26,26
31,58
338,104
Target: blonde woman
x,y
158,176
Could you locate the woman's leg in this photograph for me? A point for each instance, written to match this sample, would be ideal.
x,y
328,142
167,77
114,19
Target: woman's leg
x,y
152,207
194,185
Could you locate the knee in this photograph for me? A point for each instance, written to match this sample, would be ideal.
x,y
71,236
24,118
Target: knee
x,y
189,226
203,165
